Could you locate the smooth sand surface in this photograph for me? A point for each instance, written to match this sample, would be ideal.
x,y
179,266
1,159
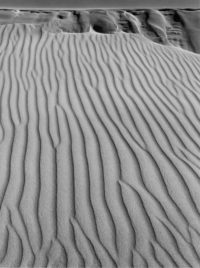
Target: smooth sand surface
x,y
99,150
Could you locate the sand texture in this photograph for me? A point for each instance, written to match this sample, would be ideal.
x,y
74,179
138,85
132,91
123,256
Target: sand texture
x,y
99,150
180,28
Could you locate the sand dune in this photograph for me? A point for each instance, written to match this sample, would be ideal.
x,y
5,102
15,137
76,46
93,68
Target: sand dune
x,y
167,26
99,150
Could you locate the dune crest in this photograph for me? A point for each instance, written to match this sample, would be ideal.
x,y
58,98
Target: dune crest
x,y
99,150
168,27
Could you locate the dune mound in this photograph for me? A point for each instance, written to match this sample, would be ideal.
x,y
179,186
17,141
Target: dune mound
x,y
99,146
129,23
156,20
101,22
191,21
168,27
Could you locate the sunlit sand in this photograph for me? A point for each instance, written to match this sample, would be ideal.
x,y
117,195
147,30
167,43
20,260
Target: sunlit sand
x,y
99,141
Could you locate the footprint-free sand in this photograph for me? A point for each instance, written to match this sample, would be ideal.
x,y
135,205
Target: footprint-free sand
x,y
99,150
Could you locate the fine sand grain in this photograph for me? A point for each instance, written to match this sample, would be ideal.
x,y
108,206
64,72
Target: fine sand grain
x,y
99,150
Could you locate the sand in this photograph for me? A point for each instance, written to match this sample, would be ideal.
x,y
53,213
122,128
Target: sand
x,y
178,28
99,150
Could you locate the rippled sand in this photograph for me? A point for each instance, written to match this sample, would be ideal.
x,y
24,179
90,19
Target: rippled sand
x,y
178,27
99,150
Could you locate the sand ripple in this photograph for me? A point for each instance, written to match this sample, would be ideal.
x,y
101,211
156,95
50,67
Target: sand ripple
x,y
99,151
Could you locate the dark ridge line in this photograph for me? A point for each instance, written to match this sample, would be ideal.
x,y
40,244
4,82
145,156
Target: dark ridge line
x,y
43,51
145,213
6,45
140,196
109,135
21,249
1,97
186,156
64,250
175,246
172,149
113,102
156,200
92,248
70,133
76,246
25,72
1,110
175,232
56,97
23,177
143,259
77,122
166,252
191,106
2,40
47,253
179,211
11,97
83,139
181,125
105,110
6,244
163,86
189,69
48,130
73,237
170,127
171,162
12,135
193,246
33,87
100,156
39,151
175,242
74,210
156,216
160,110
55,153
158,168
34,77
91,122
17,79
87,169
184,110
155,255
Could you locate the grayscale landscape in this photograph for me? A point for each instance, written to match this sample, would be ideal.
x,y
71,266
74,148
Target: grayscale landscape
x,y
100,137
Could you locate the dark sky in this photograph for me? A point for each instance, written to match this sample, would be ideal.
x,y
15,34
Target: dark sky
x,y
70,4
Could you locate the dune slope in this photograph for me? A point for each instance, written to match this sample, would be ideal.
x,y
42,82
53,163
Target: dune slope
x,y
99,151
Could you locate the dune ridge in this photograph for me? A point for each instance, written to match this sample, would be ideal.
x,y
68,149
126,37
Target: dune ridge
x,y
175,27
99,151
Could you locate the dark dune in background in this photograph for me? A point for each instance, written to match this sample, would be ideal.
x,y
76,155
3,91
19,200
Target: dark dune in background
x,y
91,4
179,28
